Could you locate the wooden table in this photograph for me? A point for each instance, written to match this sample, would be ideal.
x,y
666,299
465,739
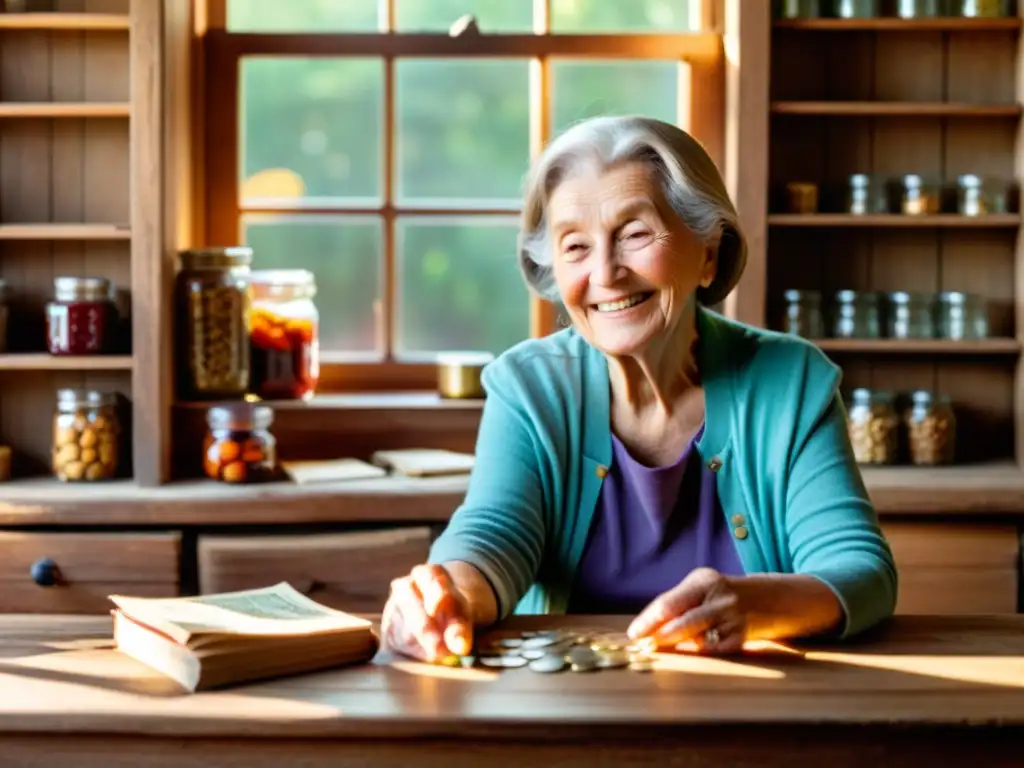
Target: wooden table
x,y
923,691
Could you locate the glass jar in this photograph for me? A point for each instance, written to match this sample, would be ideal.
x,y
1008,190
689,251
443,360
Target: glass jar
x,y
976,196
911,315
4,316
803,314
857,315
213,323
981,9
931,429
873,426
802,197
239,446
919,9
856,9
284,335
919,197
797,9
80,319
864,195
962,316
86,435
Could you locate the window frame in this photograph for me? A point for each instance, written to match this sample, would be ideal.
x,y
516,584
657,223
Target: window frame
x,y
218,211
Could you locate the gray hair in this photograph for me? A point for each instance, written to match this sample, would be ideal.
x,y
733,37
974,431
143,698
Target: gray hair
x,y
692,185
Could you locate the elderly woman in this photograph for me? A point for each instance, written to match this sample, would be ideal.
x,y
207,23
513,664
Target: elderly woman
x,y
655,459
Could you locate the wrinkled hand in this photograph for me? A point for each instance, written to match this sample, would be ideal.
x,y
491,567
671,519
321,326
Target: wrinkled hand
x,y
426,617
705,608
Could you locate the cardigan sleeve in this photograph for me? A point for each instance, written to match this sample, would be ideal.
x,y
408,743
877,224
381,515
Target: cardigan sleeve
x,y
499,527
833,529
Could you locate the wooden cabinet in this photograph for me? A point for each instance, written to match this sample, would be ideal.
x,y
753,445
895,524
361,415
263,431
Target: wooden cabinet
x,y
951,568
349,571
75,572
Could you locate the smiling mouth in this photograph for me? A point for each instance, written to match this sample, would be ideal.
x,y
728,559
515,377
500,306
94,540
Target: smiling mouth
x,y
627,303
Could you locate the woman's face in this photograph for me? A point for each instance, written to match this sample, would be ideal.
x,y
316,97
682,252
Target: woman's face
x,y
624,264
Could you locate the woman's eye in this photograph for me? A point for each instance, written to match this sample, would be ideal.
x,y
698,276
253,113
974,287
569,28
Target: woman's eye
x,y
635,237
574,249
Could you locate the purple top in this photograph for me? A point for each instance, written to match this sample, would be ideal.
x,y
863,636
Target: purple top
x,y
652,526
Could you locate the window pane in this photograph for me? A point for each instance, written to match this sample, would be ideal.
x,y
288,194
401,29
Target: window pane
x,y
595,16
303,15
344,252
439,15
581,89
311,131
463,131
459,286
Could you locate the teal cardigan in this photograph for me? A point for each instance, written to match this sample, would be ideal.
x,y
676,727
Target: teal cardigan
x,y
775,427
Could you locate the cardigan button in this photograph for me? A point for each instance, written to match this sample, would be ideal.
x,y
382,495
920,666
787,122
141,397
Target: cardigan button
x,y
738,520
740,532
715,464
602,471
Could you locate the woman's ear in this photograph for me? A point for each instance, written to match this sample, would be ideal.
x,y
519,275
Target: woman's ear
x,y
710,268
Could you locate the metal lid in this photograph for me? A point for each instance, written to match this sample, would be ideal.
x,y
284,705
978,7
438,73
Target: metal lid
x,y
848,296
912,180
863,395
958,298
797,294
242,416
969,180
81,288
859,180
216,258
283,284
84,398
910,297
925,397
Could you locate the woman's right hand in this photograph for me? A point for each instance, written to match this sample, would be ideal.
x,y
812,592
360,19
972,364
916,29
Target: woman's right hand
x,y
426,616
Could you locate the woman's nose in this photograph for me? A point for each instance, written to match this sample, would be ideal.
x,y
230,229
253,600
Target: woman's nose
x,y
606,267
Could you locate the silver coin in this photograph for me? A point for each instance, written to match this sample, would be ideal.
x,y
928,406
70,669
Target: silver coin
x,y
613,659
532,653
548,664
509,642
540,641
583,659
504,662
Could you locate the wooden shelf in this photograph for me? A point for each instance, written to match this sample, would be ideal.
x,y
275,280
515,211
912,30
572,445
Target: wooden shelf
x,y
948,24
42,361
75,22
895,109
922,346
356,401
996,220
56,231
49,109
996,488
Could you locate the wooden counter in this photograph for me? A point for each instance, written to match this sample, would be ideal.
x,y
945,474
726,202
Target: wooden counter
x,y
923,691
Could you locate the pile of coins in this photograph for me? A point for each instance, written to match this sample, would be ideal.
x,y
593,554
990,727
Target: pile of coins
x,y
551,651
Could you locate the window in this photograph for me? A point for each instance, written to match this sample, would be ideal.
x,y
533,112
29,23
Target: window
x,y
367,142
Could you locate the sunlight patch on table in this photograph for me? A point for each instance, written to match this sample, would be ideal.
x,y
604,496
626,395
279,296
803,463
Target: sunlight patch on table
x,y
1005,671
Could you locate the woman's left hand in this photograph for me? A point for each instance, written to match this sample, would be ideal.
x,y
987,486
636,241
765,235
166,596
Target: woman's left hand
x,y
706,608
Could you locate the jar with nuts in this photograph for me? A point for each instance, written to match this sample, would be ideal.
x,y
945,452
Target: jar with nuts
x,y
931,429
213,323
873,425
239,447
86,435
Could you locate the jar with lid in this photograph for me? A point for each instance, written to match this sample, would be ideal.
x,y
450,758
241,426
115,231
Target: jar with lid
x,y
976,196
4,316
86,435
284,337
803,314
931,429
981,9
856,9
911,315
962,316
864,195
797,9
873,426
857,315
80,320
920,197
213,297
919,9
239,446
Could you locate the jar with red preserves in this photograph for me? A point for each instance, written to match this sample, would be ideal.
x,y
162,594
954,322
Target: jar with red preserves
x,y
239,446
285,335
80,319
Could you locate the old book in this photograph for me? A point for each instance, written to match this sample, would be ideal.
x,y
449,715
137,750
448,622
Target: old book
x,y
330,471
223,639
425,462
